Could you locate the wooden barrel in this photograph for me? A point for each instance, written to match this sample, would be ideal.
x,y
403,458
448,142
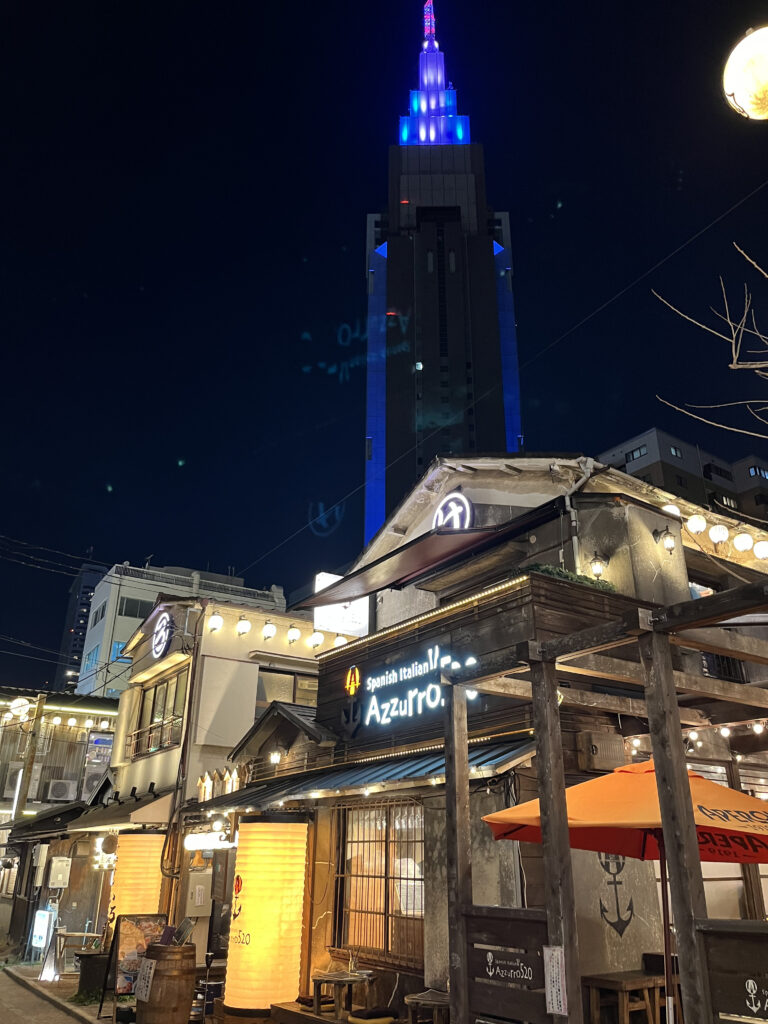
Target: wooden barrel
x,y
173,986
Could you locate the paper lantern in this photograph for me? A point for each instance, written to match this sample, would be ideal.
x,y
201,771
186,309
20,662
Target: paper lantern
x,y
137,879
264,958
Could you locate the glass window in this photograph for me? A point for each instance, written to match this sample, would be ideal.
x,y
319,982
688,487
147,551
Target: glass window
x,y
158,713
274,686
306,691
90,661
146,708
636,453
676,451
117,650
133,608
181,692
380,881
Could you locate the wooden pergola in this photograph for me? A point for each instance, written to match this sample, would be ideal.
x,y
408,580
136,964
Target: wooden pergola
x,y
531,669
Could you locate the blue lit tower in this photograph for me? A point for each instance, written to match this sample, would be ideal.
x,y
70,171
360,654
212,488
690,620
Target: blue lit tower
x,y
442,373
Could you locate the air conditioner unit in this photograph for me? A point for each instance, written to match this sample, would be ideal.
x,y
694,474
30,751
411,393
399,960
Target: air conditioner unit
x,y
600,751
90,782
62,789
11,778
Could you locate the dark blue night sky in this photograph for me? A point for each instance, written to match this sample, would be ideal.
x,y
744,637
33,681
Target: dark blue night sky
x,y
182,258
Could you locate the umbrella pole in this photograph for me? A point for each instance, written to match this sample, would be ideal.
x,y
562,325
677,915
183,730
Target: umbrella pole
x,y
669,980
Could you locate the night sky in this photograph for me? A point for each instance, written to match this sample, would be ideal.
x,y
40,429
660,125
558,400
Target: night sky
x,y
182,244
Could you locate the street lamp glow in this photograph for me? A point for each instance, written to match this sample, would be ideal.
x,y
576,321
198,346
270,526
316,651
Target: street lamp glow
x,y
745,76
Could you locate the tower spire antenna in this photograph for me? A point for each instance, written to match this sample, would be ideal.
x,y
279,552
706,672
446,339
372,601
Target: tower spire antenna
x,y
430,43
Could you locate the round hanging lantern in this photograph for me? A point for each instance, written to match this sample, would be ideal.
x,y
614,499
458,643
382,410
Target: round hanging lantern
x,y
745,77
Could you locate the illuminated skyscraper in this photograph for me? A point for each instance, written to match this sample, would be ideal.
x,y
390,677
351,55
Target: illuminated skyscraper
x,y
442,371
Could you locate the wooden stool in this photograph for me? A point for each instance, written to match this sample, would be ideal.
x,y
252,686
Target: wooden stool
x,y
630,991
433,1000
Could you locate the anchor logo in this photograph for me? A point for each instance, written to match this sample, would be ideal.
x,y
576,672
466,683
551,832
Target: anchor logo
x,y
753,1003
351,717
613,865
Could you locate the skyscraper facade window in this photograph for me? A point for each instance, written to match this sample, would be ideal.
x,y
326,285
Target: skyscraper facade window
x,y
442,370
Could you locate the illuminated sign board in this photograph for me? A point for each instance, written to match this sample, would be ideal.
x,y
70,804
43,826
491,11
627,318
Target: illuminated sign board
x,y
454,512
403,690
349,618
161,637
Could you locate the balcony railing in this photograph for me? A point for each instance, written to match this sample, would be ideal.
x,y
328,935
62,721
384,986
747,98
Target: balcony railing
x,y
158,736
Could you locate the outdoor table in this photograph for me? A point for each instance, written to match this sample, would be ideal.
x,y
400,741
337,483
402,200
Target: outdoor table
x,y
437,1002
343,983
630,991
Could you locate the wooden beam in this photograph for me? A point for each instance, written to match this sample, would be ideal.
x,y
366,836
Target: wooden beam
x,y
628,672
754,903
458,846
682,850
520,689
724,642
556,848
753,597
597,638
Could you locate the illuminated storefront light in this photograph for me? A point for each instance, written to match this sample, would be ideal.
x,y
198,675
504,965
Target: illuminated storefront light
x,y
136,885
264,959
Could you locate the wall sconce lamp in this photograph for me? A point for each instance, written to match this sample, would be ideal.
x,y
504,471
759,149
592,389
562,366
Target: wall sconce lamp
x,y
597,565
340,640
275,757
269,630
666,538
293,634
316,639
215,622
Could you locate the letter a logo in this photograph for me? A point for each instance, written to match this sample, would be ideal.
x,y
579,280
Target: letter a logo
x,y
352,680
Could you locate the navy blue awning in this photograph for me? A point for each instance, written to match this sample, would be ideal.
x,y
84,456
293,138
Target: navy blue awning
x,y
408,770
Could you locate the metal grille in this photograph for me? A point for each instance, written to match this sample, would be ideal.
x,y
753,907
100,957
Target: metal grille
x,y
380,881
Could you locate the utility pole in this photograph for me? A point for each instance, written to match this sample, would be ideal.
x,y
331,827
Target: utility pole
x,y
29,760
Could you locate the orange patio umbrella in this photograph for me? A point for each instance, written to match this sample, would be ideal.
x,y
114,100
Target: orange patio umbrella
x,y
619,813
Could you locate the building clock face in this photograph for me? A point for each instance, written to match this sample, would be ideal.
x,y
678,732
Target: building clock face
x,y
453,513
161,637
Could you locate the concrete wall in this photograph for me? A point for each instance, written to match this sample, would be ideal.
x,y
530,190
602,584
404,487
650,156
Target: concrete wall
x,y
636,923
637,565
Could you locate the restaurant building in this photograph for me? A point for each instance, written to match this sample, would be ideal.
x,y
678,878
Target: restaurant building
x,y
200,670
483,555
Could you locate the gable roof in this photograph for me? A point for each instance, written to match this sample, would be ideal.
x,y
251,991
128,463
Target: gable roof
x,y
300,716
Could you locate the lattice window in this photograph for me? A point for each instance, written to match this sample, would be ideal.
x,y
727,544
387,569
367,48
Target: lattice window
x,y
380,881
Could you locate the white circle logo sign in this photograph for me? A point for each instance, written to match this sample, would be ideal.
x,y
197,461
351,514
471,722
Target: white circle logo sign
x,y
453,513
161,638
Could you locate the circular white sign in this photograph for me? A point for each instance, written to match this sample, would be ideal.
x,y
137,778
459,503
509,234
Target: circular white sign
x,y
161,637
453,513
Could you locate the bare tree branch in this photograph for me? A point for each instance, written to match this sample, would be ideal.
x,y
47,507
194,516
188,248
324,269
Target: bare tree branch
x,y
712,423
750,260
690,319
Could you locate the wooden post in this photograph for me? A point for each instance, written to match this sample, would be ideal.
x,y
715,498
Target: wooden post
x,y
556,847
29,760
682,848
458,847
754,903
